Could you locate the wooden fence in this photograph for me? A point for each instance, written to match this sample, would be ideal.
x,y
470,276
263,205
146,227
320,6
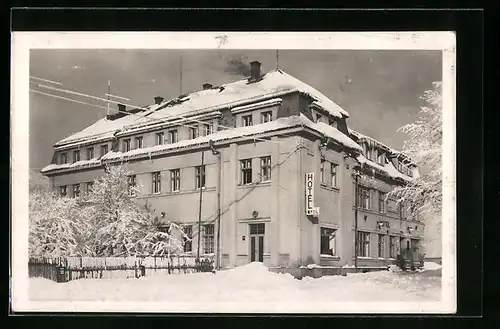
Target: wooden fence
x,y
64,269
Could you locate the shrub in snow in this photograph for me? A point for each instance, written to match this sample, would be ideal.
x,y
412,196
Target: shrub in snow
x,y
401,262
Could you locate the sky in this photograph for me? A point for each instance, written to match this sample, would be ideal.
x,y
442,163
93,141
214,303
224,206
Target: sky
x,y
380,89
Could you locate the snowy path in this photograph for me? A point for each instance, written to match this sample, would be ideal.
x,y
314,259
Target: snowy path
x,y
250,283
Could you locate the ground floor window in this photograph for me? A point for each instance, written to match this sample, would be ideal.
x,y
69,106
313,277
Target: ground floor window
x,y
328,241
363,244
381,246
209,238
187,238
393,249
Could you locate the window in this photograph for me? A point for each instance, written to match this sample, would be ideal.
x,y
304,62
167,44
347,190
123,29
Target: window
x,y
131,184
90,153
333,174
159,138
369,153
76,190
265,169
381,202
64,158
247,120
266,116
76,156
381,157
139,142
104,149
393,251
208,238
193,132
156,182
172,134
126,145
363,244
381,246
392,205
88,187
62,191
333,123
246,171
199,176
175,180
328,241
322,171
208,128
402,210
258,228
187,238
364,197
318,117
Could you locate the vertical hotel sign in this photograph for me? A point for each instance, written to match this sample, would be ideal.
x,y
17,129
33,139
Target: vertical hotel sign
x,y
311,210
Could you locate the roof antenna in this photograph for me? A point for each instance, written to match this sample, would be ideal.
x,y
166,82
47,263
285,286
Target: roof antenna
x,y
109,92
180,76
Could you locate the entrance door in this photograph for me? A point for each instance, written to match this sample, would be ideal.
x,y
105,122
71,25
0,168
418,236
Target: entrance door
x,y
257,242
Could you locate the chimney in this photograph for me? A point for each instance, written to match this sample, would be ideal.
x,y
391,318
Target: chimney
x,y
207,86
122,107
255,70
158,100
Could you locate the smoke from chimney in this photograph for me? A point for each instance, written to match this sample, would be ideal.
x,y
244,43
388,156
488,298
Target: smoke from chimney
x,y
237,66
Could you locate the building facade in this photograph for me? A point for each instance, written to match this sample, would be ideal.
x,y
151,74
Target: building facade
x,y
281,177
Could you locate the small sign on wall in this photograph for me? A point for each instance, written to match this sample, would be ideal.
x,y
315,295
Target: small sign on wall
x,y
311,210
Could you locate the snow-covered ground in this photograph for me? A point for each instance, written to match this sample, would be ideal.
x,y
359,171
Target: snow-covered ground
x,y
248,284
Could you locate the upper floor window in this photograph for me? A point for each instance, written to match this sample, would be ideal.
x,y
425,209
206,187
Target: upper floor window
x,y
265,168
333,123
159,138
76,190
382,208
369,153
200,176
172,136
266,116
364,199
126,145
76,156
139,142
62,191
156,182
193,132
246,171
208,129
333,174
64,158
90,153
104,149
132,183
246,120
175,180
322,171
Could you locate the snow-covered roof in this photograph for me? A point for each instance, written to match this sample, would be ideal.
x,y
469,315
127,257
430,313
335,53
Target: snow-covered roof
x,y
272,85
387,168
75,165
223,135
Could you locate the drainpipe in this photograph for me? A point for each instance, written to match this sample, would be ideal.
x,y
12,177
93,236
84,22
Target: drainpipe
x,y
356,175
202,175
219,186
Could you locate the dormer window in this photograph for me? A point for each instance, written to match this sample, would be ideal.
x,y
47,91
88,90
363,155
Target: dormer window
x,y
266,116
76,156
193,132
126,145
381,157
369,154
318,117
333,123
90,153
139,142
64,158
247,120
